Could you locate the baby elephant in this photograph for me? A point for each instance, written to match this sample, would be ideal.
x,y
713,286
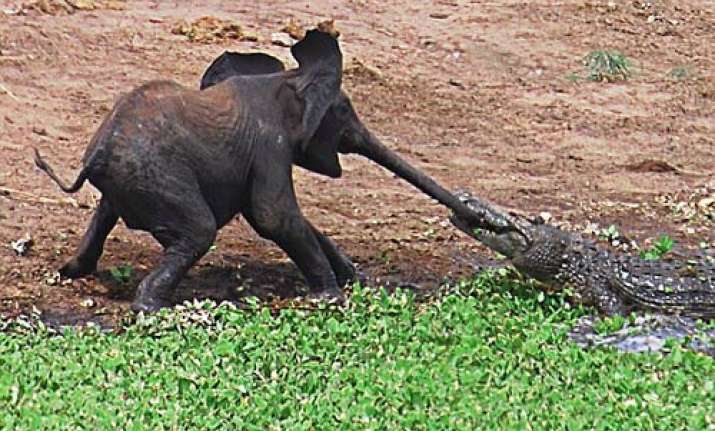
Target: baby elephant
x,y
181,163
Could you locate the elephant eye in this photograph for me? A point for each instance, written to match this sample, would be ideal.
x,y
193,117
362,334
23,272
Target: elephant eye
x,y
341,110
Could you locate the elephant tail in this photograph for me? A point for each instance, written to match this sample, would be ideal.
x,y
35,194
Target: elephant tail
x,y
81,178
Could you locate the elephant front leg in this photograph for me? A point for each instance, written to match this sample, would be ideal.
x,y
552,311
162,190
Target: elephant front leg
x,y
342,266
294,235
318,266
273,212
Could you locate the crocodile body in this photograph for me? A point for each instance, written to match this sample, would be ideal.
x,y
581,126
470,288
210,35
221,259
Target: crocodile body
x,y
614,283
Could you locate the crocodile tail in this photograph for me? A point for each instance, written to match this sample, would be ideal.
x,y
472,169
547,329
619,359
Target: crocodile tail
x,y
81,178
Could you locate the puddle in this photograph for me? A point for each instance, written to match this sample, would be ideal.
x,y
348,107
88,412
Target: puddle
x,y
647,333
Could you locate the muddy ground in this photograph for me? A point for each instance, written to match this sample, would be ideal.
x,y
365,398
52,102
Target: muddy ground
x,y
487,95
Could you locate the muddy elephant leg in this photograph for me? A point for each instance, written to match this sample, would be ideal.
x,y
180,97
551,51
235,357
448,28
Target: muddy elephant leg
x,y
186,236
273,212
342,266
90,248
294,235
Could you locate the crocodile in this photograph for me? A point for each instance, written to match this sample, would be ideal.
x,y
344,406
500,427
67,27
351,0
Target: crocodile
x,y
615,283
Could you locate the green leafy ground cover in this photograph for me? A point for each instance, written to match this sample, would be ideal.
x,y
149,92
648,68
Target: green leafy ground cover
x,y
490,355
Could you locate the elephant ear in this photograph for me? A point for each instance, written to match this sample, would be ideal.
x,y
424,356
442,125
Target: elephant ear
x,y
231,64
321,154
316,86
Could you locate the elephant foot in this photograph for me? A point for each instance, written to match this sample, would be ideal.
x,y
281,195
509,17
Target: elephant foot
x,y
330,295
349,278
346,273
75,268
148,301
361,277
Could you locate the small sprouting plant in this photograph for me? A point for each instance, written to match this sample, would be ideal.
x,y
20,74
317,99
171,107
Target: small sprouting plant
x,y
121,274
609,234
607,66
663,245
384,257
573,77
679,73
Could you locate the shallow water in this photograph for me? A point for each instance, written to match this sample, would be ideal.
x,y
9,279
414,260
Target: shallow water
x,y
645,333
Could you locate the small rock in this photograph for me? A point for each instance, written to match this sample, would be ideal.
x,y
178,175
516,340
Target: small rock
x,y
453,82
250,36
294,30
706,202
591,228
39,131
22,246
87,303
359,69
437,15
281,39
209,29
545,216
82,4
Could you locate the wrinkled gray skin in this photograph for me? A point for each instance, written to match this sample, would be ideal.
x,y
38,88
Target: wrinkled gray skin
x,y
181,163
614,283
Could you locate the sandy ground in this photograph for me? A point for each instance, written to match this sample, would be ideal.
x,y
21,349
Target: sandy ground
x,y
479,94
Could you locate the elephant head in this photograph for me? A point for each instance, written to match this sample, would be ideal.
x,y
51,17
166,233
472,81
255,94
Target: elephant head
x,y
341,131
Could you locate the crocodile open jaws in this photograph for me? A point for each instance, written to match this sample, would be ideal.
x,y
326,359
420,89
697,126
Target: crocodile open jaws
x,y
614,283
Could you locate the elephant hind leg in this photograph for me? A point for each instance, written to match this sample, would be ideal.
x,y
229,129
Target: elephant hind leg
x,y
90,248
186,232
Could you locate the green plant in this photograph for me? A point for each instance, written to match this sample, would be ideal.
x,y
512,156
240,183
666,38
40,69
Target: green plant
x,y
121,274
679,73
610,233
662,246
607,325
607,66
487,356
384,257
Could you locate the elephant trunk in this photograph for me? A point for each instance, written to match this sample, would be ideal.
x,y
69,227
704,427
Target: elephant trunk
x,y
366,144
